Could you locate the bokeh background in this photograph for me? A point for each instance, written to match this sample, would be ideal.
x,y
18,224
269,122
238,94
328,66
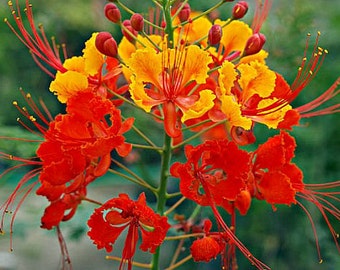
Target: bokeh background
x,y
283,239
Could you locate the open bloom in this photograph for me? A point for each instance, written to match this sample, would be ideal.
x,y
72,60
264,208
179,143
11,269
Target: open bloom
x,y
161,78
223,166
77,149
113,217
279,181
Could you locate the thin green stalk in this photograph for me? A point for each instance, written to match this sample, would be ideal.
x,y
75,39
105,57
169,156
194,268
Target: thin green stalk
x,y
137,180
162,192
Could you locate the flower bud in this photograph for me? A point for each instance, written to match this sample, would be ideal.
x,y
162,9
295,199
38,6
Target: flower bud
x,y
254,44
240,9
215,34
112,13
184,14
106,44
242,136
128,31
137,22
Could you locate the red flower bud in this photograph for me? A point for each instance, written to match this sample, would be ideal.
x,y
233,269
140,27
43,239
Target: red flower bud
x,y
254,44
137,22
240,9
184,14
128,31
215,34
112,13
106,44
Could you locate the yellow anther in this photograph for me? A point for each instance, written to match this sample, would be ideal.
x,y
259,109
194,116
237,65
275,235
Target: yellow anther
x,y
15,103
28,95
18,119
10,3
319,33
5,20
32,118
304,59
311,72
326,51
321,261
308,34
10,157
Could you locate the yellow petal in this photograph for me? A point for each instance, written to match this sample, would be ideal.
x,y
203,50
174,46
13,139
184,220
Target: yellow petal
x,y
140,97
126,49
235,35
232,111
271,119
201,106
194,31
146,65
196,65
256,78
67,84
75,63
260,57
94,60
227,77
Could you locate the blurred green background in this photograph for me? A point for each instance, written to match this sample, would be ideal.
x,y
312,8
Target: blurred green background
x,y
282,239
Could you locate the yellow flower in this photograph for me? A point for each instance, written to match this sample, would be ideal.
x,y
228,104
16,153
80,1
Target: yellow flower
x,y
81,71
246,95
169,77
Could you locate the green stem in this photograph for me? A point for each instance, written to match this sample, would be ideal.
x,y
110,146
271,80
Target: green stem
x,y
167,148
162,192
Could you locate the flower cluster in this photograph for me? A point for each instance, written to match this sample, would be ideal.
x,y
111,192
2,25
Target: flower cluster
x,y
197,77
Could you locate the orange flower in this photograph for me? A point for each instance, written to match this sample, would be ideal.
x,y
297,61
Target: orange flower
x,y
108,222
161,78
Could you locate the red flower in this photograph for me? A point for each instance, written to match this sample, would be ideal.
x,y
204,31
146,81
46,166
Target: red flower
x,y
274,174
108,221
208,247
222,167
279,181
77,150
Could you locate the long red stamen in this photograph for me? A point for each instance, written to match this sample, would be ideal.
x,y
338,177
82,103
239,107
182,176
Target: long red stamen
x,y
306,110
232,238
66,261
36,42
323,201
261,14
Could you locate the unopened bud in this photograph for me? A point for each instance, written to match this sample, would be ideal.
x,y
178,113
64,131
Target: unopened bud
x,y
106,44
254,44
240,9
128,31
242,136
184,14
112,12
137,22
215,34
